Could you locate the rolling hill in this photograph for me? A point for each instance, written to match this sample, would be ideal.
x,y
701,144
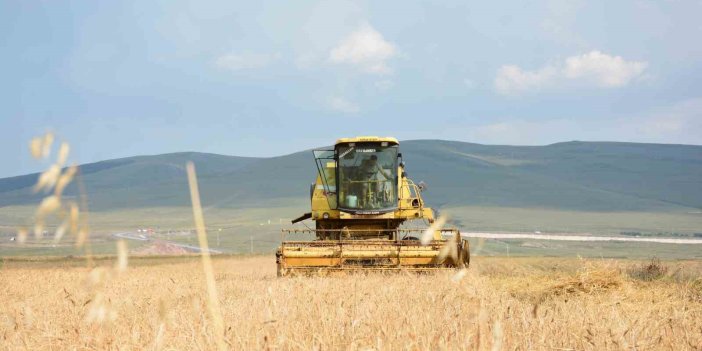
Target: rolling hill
x,y
584,176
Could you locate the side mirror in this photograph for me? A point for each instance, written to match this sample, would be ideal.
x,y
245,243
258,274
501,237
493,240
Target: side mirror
x,y
422,186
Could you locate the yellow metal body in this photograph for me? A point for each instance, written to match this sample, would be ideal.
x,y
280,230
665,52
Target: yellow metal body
x,y
366,238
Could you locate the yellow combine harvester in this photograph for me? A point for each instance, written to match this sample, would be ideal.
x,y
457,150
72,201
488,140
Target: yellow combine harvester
x,y
359,200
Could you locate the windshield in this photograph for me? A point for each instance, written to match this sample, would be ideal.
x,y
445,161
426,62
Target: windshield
x,y
367,176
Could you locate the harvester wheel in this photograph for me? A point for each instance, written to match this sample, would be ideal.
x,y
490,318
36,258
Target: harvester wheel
x,y
465,254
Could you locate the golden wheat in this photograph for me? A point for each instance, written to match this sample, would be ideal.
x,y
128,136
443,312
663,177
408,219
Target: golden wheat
x,y
498,303
510,304
213,299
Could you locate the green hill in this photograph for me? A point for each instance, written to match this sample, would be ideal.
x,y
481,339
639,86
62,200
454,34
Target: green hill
x,y
583,176
141,181
591,176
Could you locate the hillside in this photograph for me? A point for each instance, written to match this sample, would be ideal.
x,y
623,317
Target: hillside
x,y
589,176
597,176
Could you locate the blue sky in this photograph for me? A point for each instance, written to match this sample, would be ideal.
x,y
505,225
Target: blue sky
x,y
266,78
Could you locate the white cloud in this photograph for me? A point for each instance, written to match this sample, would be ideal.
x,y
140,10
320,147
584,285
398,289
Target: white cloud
x,y
342,105
605,70
366,49
594,68
245,61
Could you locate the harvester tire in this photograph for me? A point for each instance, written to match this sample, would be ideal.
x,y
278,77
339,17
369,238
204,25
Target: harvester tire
x,y
465,254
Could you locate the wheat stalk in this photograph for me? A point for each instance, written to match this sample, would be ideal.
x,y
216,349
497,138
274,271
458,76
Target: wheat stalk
x,y
213,300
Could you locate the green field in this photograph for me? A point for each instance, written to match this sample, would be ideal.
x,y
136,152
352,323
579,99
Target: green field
x,y
477,218
240,230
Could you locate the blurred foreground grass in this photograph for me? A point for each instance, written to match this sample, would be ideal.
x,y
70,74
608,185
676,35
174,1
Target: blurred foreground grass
x,y
501,303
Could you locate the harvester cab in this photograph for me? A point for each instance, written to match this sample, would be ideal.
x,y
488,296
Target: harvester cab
x,y
359,200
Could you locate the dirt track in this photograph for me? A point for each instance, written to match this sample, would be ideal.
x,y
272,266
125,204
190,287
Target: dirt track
x,y
578,237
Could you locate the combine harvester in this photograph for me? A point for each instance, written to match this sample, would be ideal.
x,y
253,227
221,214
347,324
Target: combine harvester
x,y
359,200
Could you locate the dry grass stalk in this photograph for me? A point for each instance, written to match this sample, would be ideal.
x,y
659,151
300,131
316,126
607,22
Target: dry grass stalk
x,y
64,149
35,146
53,178
22,234
460,275
61,230
100,310
213,299
40,147
497,336
48,179
47,206
162,317
122,256
449,250
479,247
82,236
46,143
64,179
428,234
74,212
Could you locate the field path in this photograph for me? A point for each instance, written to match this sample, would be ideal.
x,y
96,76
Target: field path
x,y
134,236
577,237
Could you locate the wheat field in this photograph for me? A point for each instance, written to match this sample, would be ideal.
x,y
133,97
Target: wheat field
x,y
238,303
497,304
